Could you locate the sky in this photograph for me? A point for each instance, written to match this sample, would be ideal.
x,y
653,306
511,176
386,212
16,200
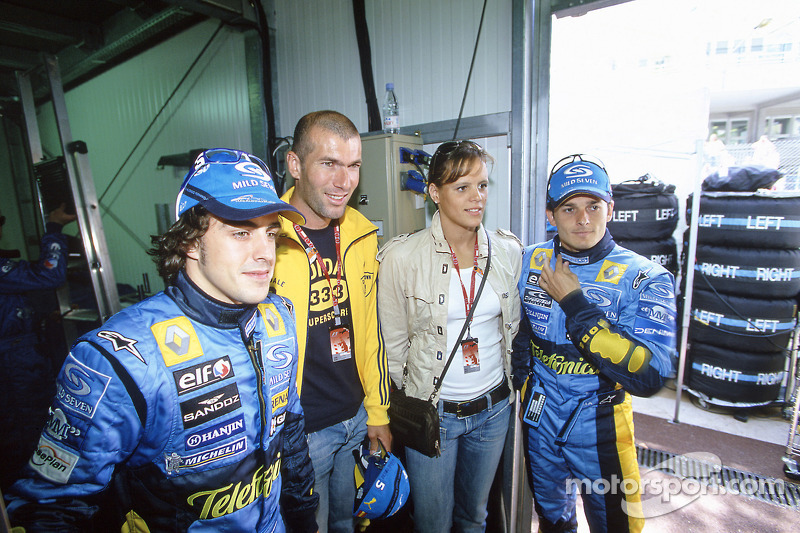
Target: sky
x,y
633,85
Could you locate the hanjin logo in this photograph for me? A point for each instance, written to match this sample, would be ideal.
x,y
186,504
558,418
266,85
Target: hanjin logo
x,y
199,376
216,433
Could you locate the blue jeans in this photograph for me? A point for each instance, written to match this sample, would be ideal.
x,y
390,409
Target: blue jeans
x,y
452,490
331,451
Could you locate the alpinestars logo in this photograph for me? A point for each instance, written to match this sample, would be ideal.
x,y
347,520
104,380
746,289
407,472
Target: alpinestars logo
x,y
120,342
640,277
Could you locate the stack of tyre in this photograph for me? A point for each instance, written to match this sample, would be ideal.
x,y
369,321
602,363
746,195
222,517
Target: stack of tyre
x,y
744,301
644,220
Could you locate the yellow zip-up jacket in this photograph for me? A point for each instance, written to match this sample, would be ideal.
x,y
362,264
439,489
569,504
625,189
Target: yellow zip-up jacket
x,y
359,244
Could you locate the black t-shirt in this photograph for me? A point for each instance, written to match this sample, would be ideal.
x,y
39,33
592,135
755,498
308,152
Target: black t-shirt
x,y
331,389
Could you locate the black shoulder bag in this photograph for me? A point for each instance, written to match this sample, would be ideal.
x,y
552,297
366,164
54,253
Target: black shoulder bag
x,y
414,422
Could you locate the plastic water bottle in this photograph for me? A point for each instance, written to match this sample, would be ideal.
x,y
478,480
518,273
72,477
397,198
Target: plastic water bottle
x,y
391,111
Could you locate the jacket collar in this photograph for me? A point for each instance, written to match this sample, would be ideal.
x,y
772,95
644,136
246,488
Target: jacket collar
x,y
586,257
204,309
441,243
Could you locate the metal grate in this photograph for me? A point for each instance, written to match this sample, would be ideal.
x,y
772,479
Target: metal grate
x,y
767,489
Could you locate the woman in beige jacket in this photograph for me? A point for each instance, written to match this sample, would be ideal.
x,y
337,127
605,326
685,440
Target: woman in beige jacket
x,y
426,285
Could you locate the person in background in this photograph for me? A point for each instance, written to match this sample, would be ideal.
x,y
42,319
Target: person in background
x,y
327,268
26,385
598,323
181,412
427,284
716,157
765,153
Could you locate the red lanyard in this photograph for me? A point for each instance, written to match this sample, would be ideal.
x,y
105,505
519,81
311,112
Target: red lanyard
x,y
313,255
467,301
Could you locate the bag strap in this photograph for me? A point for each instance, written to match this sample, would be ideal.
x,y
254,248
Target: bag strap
x,y
467,321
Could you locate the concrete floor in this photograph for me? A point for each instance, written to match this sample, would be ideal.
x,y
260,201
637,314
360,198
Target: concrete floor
x,y
765,424
755,445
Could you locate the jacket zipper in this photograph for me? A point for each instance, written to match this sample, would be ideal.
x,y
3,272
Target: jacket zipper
x,y
254,350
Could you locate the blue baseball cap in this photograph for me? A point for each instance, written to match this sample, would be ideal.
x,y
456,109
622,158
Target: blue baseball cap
x,y
382,486
574,175
232,185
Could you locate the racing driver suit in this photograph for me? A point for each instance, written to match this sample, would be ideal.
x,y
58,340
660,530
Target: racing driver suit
x,y
575,361
182,414
27,381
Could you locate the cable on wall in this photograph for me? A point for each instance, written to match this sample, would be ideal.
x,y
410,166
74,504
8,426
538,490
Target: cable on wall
x,y
471,66
163,106
365,55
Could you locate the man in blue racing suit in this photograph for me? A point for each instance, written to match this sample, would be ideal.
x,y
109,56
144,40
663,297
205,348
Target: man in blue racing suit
x,y
26,383
598,323
181,413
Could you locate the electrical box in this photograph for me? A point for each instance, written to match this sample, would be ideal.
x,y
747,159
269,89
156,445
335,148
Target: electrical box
x,y
387,159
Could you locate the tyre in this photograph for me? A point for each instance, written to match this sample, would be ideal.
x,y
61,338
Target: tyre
x,y
731,377
739,323
643,211
750,272
663,252
748,219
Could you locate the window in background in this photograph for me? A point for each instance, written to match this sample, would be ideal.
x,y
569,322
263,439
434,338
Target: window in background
x,y
738,132
778,127
719,128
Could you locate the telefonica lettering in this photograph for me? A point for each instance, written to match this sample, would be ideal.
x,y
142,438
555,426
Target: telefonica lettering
x,y
232,497
560,365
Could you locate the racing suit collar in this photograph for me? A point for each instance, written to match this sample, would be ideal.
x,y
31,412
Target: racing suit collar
x,y
201,307
586,257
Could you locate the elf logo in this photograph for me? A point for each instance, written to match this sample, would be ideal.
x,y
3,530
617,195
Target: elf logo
x,y
199,376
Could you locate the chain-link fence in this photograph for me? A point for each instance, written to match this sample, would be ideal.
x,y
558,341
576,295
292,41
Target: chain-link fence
x,y
788,156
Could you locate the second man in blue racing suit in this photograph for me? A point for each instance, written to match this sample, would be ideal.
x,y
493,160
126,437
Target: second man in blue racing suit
x,y
598,322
